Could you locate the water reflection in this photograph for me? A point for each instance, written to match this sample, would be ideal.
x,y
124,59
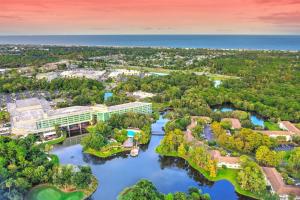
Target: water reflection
x,y
167,173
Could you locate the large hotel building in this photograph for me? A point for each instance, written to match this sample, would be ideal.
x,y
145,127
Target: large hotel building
x,y
36,116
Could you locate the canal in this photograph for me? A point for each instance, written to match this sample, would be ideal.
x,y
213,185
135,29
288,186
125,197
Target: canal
x,y
168,174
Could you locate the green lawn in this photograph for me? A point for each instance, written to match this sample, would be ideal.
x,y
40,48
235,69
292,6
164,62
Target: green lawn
x,y
272,126
57,140
223,174
105,154
52,193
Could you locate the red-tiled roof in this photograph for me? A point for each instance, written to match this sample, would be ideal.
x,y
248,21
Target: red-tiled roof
x,y
278,133
235,123
216,155
290,127
277,183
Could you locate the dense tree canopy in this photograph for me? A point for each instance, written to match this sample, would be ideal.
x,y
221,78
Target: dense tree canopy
x,y
145,190
24,164
245,140
251,177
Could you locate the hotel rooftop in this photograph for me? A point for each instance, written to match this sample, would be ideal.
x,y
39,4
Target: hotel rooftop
x,y
36,115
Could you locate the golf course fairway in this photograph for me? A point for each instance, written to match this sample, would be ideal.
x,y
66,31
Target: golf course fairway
x,y
52,193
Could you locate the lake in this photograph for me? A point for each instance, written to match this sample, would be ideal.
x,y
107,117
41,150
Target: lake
x,y
168,174
271,42
256,120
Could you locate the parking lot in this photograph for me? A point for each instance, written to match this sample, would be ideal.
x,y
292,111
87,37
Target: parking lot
x,y
10,98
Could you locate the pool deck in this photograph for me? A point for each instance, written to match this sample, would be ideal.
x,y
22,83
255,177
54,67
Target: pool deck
x,y
128,143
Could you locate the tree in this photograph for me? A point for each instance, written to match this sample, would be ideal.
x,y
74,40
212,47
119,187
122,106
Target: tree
x,y
181,150
293,163
143,190
62,176
137,137
250,177
267,157
82,179
4,117
226,124
120,135
48,148
22,164
97,137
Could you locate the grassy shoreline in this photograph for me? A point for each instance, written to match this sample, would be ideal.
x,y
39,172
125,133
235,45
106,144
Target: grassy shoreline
x,y
57,140
105,154
223,174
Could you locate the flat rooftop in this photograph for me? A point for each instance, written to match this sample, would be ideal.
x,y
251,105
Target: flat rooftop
x,y
25,113
127,105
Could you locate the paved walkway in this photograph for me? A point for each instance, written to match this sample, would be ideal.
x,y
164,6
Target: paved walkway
x,y
208,132
188,133
128,143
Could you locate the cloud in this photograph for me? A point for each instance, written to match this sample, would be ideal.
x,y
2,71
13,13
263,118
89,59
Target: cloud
x,y
280,2
284,18
10,17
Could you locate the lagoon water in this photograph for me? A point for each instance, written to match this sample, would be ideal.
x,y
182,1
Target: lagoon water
x,y
168,174
271,42
255,120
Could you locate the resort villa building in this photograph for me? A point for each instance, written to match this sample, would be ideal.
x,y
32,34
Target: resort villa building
x,y
228,161
275,134
275,181
288,131
288,126
235,123
36,116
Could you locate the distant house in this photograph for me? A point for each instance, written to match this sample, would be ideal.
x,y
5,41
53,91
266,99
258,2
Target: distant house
x,y
83,73
288,126
235,123
275,134
142,95
47,76
2,71
275,180
228,161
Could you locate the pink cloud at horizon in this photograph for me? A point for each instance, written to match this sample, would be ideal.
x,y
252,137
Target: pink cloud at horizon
x,y
149,17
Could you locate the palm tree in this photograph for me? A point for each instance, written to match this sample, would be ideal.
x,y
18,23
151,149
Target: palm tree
x,y
48,148
137,137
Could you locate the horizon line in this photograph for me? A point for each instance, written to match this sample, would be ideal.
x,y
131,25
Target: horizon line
x,y
151,34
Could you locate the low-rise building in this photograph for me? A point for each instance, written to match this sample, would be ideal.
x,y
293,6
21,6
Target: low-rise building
x,y
142,95
47,76
275,180
83,73
228,161
126,72
275,134
36,115
288,126
235,123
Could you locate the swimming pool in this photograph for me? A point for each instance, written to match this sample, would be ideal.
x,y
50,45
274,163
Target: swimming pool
x,y
107,95
131,133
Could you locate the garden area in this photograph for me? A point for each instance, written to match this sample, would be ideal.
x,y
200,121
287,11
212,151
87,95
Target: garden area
x,y
107,139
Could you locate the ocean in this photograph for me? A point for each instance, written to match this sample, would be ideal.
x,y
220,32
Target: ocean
x,y
261,42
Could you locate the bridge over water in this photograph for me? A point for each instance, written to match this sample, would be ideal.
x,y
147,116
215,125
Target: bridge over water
x,y
158,133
